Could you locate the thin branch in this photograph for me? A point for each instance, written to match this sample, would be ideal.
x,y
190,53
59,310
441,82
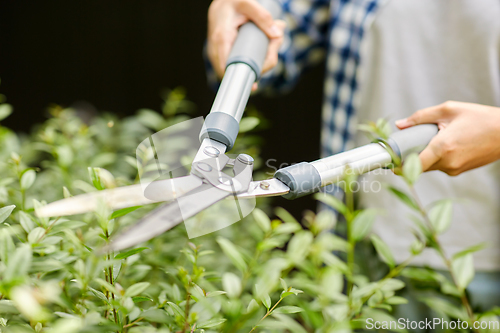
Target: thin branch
x,y
266,315
440,250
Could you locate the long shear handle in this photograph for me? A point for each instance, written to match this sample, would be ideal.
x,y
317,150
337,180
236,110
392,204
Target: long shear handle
x,y
304,178
244,67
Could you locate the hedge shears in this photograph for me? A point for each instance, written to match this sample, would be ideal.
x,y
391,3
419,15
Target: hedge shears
x,y
208,184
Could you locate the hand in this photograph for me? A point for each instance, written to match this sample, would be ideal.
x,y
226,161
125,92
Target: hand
x,y
469,136
224,19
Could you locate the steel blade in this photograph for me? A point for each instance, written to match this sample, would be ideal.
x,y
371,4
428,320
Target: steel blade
x,y
264,188
168,216
122,197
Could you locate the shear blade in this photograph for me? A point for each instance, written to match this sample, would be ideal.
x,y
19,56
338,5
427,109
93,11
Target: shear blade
x,y
122,197
168,216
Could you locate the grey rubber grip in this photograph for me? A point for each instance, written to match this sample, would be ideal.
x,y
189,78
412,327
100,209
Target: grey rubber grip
x,y
221,127
301,178
412,139
251,44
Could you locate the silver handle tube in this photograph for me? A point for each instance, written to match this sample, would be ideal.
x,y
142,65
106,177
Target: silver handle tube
x,y
304,178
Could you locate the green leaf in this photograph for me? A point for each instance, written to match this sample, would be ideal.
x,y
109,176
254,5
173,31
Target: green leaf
x,y
471,249
231,284
440,215
442,306
422,274
287,309
463,269
5,212
252,306
130,252
107,285
122,212
215,293
156,316
266,300
26,222
394,300
232,253
285,216
5,110
412,168
138,299
211,323
262,219
66,193
299,246
65,155
407,200
362,224
383,250
383,128
177,310
283,284
248,124
325,220
94,177
27,179
136,289
291,291
19,263
36,235
333,202
391,284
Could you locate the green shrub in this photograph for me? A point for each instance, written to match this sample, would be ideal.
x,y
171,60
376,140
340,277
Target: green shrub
x,y
259,274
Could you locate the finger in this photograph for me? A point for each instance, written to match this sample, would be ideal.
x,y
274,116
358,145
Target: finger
x,y
272,54
255,86
221,42
429,115
260,16
428,158
271,59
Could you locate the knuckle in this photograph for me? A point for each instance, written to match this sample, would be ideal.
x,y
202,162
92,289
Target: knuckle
x,y
447,148
452,171
448,106
242,5
220,35
265,16
416,116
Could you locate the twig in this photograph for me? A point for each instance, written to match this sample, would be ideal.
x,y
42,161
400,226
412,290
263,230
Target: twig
x,y
440,250
133,323
266,315
186,313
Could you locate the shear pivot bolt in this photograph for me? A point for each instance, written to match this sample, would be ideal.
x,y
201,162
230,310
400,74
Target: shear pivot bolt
x,y
264,185
246,159
225,181
211,151
203,167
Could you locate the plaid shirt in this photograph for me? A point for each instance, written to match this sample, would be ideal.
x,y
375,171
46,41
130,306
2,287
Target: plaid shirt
x,y
334,28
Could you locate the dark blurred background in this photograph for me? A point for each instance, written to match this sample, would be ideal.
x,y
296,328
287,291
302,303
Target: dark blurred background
x,y
119,55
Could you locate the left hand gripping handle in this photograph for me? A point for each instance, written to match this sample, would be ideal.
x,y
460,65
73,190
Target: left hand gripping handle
x,y
244,67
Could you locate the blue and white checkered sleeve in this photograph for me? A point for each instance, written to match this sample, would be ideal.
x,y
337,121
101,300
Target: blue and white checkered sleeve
x,y
305,43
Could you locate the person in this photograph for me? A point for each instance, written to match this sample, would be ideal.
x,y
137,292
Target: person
x,y
386,59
